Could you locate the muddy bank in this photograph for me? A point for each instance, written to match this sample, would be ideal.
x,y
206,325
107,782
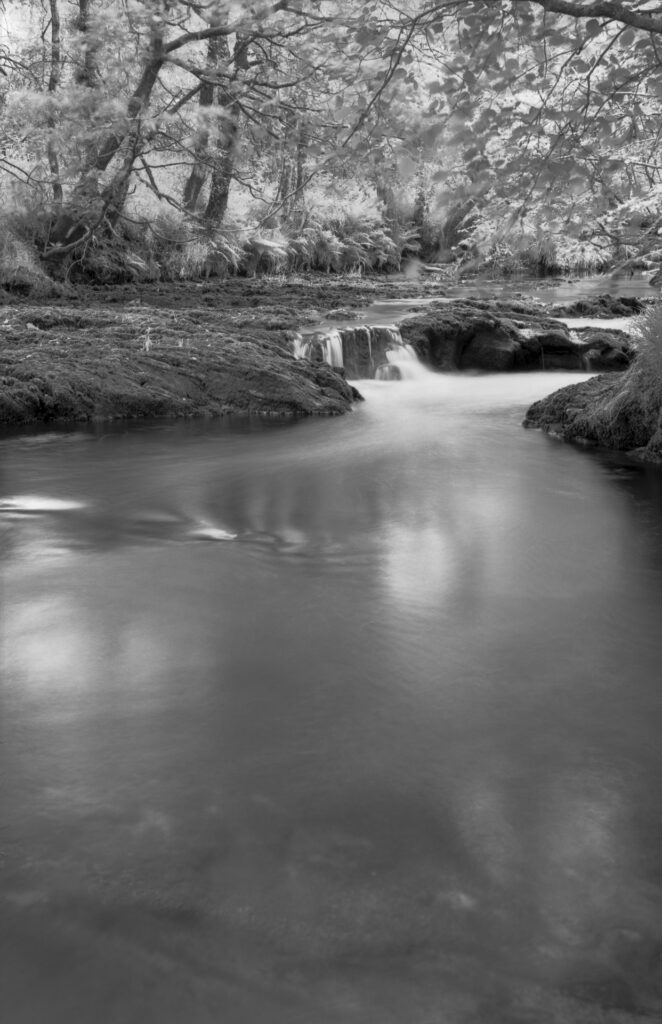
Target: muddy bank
x,y
74,363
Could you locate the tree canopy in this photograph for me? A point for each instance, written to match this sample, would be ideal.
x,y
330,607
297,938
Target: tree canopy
x,y
485,122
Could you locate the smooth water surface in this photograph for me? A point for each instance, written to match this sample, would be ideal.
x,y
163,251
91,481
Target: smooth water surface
x,y
550,290
353,720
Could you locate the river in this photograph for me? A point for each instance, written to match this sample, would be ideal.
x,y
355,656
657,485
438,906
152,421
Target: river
x,y
331,722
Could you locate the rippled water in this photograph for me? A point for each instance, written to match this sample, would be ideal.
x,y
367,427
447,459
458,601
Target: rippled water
x,y
349,720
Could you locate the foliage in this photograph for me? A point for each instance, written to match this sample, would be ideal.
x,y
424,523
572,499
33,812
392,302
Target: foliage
x,y
521,132
649,344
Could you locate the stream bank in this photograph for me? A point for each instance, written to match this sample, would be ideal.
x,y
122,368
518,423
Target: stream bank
x,y
227,347
622,412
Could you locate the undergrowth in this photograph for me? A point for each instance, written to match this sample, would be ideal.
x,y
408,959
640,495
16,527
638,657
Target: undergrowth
x,y
171,247
166,245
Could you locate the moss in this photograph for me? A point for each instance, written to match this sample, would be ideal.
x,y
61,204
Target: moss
x,y
620,412
98,363
603,307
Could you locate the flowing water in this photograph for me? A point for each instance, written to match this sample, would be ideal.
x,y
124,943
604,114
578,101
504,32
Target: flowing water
x,y
352,720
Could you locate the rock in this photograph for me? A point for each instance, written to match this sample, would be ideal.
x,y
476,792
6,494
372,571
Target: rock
x,y
497,336
494,346
605,348
81,365
365,348
602,306
622,412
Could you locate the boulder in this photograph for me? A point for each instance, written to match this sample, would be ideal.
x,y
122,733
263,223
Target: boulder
x,y
605,348
495,336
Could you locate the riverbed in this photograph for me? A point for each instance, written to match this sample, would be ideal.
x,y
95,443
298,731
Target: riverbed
x,y
346,720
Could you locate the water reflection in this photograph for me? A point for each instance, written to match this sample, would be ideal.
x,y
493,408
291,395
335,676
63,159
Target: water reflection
x,y
392,753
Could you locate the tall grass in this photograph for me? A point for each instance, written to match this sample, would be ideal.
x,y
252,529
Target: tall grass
x,y
649,345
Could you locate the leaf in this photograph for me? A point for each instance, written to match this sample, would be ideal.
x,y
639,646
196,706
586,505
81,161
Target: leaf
x,y
576,186
593,27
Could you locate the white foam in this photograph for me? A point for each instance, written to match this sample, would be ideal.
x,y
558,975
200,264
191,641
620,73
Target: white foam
x,y
205,532
617,323
33,504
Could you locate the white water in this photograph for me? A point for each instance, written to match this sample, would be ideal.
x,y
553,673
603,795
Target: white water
x,y
300,347
617,323
404,358
407,362
333,348
399,355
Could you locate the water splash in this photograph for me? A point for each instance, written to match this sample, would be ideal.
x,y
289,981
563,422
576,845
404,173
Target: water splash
x,y
364,351
404,360
300,347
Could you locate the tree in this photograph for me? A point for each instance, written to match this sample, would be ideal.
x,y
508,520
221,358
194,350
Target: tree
x,y
534,116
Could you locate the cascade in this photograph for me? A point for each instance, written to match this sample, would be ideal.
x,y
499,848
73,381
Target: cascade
x,y
327,347
363,351
300,347
333,348
405,361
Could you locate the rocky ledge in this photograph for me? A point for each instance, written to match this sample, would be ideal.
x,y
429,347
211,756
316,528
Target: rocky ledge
x,y
604,307
496,336
75,364
621,412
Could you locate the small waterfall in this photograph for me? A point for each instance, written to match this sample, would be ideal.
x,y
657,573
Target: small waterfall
x,y
300,347
325,347
404,360
391,334
333,348
363,351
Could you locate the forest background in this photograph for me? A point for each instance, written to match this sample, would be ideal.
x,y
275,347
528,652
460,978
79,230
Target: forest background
x,y
168,139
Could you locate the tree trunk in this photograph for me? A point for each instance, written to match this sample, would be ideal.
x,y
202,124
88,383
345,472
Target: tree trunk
x,y
88,186
202,157
53,83
224,160
287,177
302,143
87,72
